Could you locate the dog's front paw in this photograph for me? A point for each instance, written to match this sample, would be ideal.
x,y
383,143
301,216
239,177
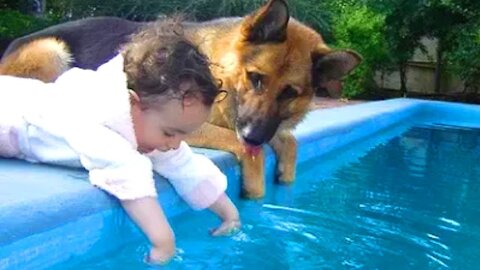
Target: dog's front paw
x,y
286,172
253,176
285,146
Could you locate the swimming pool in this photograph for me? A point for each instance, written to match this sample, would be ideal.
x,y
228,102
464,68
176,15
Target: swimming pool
x,y
389,184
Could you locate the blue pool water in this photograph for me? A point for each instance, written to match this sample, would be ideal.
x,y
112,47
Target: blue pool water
x,y
407,199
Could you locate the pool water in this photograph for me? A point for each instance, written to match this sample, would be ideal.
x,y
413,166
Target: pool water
x,y
404,201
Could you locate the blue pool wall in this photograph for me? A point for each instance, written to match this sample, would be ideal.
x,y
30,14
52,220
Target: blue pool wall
x,y
50,215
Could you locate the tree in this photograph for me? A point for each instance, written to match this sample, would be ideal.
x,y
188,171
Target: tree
x,y
358,27
464,57
403,35
409,20
444,20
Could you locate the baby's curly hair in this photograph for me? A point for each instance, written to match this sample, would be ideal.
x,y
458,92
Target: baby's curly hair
x,y
159,59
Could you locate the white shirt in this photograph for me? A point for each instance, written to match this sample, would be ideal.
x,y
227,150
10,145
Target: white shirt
x,y
83,119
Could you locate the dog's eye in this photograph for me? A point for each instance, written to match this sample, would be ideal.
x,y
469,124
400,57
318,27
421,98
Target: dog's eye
x,y
256,80
287,93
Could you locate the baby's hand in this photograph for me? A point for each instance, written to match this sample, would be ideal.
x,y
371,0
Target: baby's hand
x,y
227,228
159,256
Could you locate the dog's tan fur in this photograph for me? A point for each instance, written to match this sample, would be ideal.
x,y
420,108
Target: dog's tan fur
x,y
45,59
293,57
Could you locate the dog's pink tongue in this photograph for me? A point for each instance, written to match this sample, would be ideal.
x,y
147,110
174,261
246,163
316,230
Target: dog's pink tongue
x,y
252,150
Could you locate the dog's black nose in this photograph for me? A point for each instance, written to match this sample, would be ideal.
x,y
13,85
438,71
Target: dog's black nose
x,y
258,132
252,141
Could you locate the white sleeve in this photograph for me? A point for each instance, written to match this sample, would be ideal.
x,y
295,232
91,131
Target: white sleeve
x,y
195,177
113,163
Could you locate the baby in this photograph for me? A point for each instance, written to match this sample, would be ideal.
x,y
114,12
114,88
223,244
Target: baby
x,y
123,121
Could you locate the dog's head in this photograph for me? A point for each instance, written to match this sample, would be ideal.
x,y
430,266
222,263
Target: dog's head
x,y
275,66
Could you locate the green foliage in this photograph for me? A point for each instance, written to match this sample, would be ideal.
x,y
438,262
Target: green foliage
x,y
384,32
407,21
464,57
314,13
311,11
209,9
359,28
14,24
20,5
141,10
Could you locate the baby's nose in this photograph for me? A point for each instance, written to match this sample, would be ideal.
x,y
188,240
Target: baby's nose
x,y
174,143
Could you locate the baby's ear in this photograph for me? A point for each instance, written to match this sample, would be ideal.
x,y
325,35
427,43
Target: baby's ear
x,y
134,98
189,100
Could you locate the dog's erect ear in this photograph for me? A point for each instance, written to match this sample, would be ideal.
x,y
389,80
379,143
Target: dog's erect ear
x,y
330,67
267,24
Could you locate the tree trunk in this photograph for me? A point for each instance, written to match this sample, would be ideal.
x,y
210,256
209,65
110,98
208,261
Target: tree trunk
x,y
44,6
35,7
403,79
438,67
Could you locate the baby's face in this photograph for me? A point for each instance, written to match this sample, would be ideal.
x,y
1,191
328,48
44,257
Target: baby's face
x,y
164,126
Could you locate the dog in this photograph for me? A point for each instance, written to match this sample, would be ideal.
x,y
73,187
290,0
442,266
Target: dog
x,y
269,63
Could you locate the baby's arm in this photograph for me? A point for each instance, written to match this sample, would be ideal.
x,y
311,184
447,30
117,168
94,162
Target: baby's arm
x,y
228,213
116,167
148,215
199,182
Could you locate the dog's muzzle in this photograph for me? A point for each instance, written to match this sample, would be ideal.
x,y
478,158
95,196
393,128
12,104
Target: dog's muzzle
x,y
257,133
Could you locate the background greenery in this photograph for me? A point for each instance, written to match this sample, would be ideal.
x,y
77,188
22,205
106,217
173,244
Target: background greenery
x,y
385,32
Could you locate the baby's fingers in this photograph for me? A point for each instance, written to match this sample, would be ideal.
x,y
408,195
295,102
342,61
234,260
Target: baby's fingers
x,y
227,228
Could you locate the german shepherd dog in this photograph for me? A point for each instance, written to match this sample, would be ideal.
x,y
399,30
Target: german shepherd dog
x,y
270,64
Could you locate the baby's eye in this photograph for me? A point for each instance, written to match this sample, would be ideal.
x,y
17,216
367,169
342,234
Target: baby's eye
x,y
168,134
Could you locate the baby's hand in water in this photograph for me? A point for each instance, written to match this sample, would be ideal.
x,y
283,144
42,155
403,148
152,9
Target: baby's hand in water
x,y
227,228
159,256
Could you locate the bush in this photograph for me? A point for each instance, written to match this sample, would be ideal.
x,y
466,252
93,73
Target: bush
x,y
312,12
464,58
145,10
14,24
359,28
